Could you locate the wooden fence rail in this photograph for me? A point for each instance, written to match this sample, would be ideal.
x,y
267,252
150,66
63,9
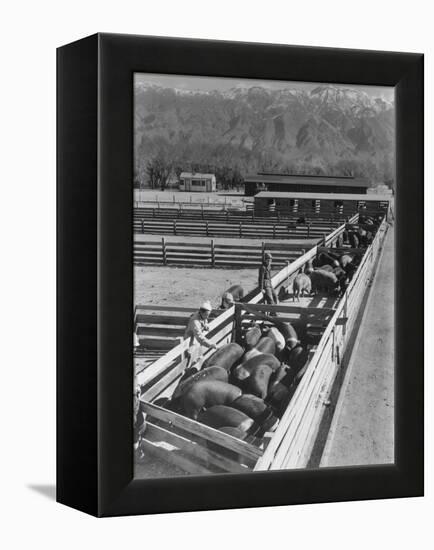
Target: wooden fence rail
x,y
232,215
237,230
213,254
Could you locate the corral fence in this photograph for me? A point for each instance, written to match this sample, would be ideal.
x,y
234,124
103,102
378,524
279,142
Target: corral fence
x,y
241,230
294,440
212,254
233,215
163,327
216,201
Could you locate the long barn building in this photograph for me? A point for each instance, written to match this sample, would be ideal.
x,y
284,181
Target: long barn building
x,y
274,202
256,183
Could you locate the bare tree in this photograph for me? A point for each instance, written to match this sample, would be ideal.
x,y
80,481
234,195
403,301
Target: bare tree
x,y
158,171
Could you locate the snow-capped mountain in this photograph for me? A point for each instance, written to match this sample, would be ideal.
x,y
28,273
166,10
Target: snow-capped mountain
x,y
329,130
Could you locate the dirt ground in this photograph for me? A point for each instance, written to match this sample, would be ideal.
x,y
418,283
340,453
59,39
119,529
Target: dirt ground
x,y
187,287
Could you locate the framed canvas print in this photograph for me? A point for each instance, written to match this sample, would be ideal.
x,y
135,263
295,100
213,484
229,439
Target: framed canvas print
x,y
240,306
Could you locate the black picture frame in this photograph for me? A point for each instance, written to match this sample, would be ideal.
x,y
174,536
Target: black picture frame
x,y
95,279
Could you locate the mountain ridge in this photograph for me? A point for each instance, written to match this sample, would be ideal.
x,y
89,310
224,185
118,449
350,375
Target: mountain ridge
x,y
330,130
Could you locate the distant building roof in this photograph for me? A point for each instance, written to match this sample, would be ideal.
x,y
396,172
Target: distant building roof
x,y
196,175
347,181
319,196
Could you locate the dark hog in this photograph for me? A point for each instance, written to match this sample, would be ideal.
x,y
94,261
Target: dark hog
x,y
233,294
219,416
297,358
342,276
301,285
258,381
278,397
308,267
350,269
252,336
243,371
328,268
323,281
265,345
286,374
353,239
210,373
345,259
282,387
347,263
365,237
208,393
326,259
284,293
224,357
256,408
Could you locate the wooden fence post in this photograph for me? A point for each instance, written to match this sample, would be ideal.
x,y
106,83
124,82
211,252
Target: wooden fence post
x,y
324,238
153,212
212,253
274,230
308,230
174,227
262,251
206,225
241,230
237,323
163,248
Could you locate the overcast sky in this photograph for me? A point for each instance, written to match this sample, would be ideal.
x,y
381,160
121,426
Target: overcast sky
x,y
205,83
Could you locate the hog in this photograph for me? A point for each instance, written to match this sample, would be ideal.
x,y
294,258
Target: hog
x,y
300,285
225,357
252,336
354,239
345,259
323,280
220,416
233,294
205,394
210,373
243,371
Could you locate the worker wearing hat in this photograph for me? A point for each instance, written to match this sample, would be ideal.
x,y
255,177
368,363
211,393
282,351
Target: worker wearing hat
x,y
265,280
195,331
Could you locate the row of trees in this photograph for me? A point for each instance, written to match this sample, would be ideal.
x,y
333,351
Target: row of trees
x,y
155,171
158,170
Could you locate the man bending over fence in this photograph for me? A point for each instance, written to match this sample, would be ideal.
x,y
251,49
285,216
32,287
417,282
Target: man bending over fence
x,y
196,329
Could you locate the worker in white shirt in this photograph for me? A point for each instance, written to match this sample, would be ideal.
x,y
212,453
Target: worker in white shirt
x,y
195,331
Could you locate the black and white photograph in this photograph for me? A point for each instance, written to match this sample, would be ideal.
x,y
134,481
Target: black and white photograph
x,y
264,275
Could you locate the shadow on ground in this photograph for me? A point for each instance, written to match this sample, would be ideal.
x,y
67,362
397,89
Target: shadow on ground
x,y
48,491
